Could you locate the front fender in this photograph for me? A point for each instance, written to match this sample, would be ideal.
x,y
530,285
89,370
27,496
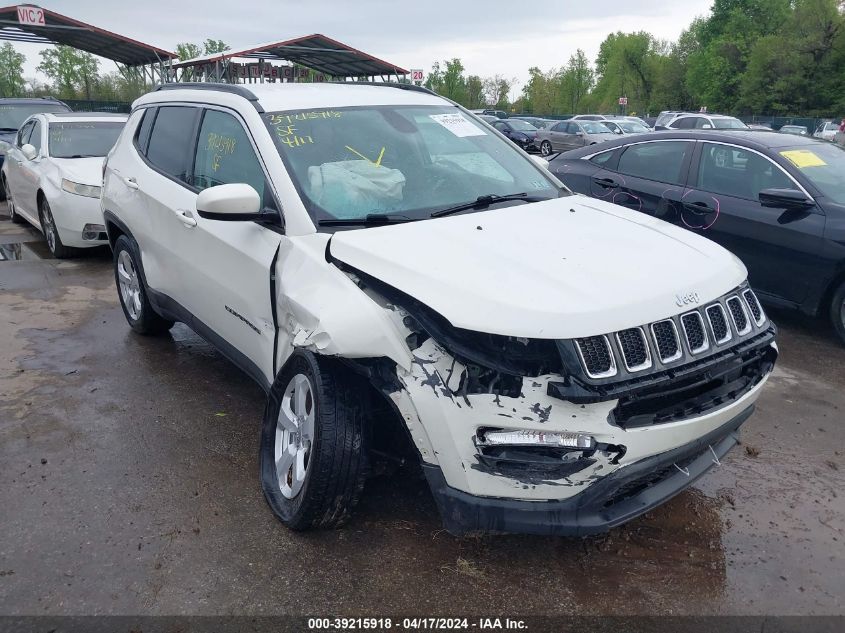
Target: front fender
x,y
322,310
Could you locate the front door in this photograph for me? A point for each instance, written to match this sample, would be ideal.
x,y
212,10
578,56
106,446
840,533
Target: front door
x,y
780,247
229,263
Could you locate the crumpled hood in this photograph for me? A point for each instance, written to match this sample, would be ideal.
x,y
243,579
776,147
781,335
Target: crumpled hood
x,y
563,268
85,171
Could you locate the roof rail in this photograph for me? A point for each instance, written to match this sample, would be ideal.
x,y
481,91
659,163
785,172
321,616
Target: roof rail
x,y
387,84
215,86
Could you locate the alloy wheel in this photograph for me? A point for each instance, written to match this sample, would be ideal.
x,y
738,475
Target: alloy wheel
x,y
130,287
49,227
294,435
545,148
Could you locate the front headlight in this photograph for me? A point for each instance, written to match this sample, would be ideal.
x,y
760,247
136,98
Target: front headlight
x,y
89,191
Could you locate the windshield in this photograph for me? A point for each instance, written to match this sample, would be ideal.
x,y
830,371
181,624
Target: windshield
x,y
728,124
82,139
592,127
522,126
823,164
410,161
631,127
13,116
831,126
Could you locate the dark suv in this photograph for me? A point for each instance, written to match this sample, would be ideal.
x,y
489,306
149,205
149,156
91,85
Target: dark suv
x,y
13,112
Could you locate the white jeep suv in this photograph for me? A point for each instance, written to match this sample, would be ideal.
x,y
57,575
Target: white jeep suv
x,y
389,268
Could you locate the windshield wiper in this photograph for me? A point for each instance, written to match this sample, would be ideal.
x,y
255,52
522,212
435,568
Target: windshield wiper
x,y
371,219
485,201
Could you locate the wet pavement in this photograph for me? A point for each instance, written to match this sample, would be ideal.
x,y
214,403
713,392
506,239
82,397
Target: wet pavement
x,y
129,485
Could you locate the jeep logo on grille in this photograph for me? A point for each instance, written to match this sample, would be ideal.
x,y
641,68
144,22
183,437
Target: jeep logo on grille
x,y
686,299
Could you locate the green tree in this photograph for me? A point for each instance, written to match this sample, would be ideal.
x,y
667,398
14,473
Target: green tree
x,y
11,71
72,71
475,98
188,50
214,46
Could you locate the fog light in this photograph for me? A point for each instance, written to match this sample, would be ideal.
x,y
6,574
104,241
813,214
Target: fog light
x,y
576,441
93,232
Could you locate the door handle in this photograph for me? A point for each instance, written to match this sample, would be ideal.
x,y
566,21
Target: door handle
x,y
699,207
131,182
186,217
605,182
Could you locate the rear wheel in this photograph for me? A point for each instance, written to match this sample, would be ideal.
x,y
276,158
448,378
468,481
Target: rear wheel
x,y
133,293
545,148
313,444
51,233
837,311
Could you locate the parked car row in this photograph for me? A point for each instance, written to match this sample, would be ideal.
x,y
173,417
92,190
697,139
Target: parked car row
x,y
53,168
776,201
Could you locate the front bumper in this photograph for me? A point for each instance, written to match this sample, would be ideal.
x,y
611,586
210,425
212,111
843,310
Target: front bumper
x,y
611,501
72,213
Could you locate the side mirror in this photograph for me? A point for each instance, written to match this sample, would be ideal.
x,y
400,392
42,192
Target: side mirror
x,y
539,161
706,126
784,199
232,202
617,131
29,151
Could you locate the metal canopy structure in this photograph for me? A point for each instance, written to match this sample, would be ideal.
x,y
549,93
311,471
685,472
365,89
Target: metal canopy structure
x,y
317,52
36,25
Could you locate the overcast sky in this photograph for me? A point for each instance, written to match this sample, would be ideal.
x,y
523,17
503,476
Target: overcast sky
x,y
491,37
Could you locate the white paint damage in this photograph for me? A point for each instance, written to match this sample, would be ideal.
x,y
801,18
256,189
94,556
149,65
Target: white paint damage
x,y
322,308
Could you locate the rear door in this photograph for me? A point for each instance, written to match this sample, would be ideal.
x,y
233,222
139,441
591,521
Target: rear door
x,y
557,136
779,247
647,177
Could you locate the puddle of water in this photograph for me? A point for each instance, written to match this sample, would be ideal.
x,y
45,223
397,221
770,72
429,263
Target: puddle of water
x,y
24,251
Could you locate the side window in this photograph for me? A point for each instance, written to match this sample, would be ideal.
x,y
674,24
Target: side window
x,y
571,128
736,172
603,158
559,127
225,154
661,161
142,134
35,137
24,133
687,123
172,140
701,123
499,126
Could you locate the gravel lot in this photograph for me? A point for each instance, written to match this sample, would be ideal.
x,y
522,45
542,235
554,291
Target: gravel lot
x,y
129,485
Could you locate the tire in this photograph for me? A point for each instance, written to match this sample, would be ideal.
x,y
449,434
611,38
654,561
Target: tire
x,y
3,190
132,291
10,204
837,311
321,478
51,233
545,148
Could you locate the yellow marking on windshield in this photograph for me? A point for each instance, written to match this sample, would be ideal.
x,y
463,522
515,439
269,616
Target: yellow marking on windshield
x,y
376,162
802,158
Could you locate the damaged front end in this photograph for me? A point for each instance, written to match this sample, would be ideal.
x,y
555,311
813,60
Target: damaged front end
x,y
572,436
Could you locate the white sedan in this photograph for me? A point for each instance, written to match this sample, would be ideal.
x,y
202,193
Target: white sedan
x,y
53,173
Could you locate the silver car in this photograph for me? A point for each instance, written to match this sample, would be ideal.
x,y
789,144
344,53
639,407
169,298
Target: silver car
x,y
566,135
624,126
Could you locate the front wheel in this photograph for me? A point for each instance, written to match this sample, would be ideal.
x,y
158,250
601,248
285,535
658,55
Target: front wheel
x,y
545,148
10,204
313,443
51,233
837,311
132,291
